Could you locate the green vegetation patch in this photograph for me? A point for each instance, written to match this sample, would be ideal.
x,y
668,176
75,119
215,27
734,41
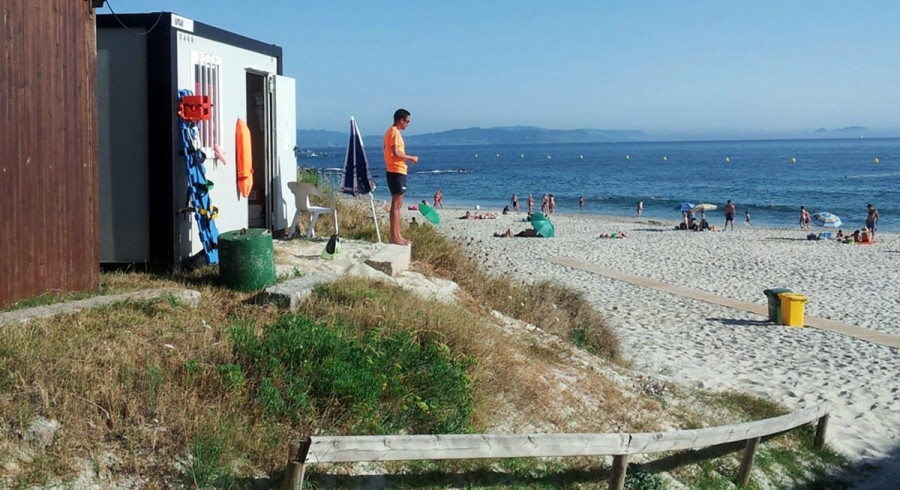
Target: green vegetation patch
x,y
376,384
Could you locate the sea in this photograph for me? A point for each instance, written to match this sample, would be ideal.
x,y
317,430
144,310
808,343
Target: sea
x,y
769,178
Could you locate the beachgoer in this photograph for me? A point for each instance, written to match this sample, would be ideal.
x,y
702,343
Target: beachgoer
x,y
640,208
804,217
515,203
581,202
530,232
865,236
871,219
729,214
544,202
395,158
552,203
505,209
438,199
747,218
530,204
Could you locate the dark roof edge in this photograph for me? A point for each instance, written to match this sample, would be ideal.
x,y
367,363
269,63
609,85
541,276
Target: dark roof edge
x,y
143,22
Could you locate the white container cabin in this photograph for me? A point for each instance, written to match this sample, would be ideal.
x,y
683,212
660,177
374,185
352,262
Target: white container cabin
x,y
143,182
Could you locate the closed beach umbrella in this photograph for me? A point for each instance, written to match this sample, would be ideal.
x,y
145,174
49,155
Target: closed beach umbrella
x,y
429,213
684,207
542,225
826,220
704,207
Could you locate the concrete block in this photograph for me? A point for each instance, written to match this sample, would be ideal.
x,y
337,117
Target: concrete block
x,y
290,294
391,259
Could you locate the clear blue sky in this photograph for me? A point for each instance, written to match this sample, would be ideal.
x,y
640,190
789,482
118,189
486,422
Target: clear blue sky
x,y
662,66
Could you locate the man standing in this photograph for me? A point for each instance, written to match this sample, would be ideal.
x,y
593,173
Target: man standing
x,y
871,220
515,203
729,214
640,208
395,158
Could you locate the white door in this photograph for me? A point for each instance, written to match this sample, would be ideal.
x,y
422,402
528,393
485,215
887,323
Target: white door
x,y
281,139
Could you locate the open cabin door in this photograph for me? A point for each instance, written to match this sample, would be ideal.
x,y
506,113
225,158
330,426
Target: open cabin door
x,y
281,138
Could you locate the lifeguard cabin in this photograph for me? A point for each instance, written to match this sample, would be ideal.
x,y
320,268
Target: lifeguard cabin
x,y
143,60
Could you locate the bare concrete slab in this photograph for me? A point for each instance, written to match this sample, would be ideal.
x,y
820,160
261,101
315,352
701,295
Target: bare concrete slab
x,y
189,297
391,259
291,293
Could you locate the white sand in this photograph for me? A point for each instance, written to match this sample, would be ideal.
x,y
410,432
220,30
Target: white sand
x,y
715,347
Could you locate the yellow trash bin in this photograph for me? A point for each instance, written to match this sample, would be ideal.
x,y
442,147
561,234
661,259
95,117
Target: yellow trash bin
x,y
792,309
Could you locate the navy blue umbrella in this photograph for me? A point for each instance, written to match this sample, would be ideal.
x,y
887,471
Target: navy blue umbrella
x,y
357,178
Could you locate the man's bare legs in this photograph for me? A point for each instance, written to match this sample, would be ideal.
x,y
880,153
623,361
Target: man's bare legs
x,y
396,205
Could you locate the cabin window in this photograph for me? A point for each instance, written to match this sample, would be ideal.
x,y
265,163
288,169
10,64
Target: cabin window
x,y
207,75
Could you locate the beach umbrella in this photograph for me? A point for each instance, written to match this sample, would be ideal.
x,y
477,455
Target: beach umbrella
x,y
542,225
429,213
357,177
704,207
826,220
683,207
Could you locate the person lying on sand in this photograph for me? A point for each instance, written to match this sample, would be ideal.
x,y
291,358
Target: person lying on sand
x,y
530,232
617,234
470,215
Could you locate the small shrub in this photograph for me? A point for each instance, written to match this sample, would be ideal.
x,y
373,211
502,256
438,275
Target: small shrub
x,y
231,376
373,385
638,478
207,467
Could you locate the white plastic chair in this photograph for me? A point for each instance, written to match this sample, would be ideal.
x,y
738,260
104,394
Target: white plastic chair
x,y
302,191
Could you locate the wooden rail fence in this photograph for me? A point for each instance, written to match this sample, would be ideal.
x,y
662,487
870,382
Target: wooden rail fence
x,y
342,449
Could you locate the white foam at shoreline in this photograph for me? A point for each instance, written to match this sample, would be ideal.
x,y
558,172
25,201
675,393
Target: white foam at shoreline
x,y
719,348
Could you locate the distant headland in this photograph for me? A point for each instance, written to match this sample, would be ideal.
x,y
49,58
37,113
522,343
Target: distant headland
x,y
509,135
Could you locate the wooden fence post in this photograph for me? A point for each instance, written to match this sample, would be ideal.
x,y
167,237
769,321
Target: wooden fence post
x,y
619,468
296,467
821,427
743,476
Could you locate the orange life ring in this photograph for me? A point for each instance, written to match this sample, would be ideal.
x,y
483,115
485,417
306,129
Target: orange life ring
x,y
244,158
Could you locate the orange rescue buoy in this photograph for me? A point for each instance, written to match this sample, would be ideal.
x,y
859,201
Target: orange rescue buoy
x,y
244,158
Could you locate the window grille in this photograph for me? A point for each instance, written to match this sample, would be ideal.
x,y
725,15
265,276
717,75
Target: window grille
x,y
208,81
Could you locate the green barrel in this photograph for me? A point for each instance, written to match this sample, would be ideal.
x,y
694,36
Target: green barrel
x,y
247,259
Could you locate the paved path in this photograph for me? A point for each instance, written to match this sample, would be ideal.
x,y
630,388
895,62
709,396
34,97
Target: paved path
x,y
808,321
188,296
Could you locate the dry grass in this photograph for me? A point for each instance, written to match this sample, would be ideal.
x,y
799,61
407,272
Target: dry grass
x,y
148,380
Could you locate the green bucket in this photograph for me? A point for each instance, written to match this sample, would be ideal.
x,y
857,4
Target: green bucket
x,y
247,259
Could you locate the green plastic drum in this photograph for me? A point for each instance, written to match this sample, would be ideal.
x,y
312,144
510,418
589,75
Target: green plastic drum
x,y
247,259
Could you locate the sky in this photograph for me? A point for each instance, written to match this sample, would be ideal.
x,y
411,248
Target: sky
x,y
660,66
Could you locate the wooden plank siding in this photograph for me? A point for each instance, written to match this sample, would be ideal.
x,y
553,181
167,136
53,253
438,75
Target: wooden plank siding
x,y
49,228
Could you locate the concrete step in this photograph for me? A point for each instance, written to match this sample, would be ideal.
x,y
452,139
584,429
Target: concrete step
x,y
391,259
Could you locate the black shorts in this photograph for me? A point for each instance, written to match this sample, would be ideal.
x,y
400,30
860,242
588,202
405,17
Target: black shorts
x,y
396,183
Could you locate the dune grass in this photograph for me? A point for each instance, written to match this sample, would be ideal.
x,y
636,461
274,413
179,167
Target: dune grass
x,y
210,396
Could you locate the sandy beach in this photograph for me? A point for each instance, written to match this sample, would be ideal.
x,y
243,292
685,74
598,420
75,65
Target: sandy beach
x,y
684,340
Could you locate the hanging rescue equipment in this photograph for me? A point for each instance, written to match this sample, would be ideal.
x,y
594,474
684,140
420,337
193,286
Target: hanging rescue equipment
x,y
192,109
244,158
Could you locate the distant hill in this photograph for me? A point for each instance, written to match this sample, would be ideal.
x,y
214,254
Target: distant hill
x,y
478,136
516,135
317,138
